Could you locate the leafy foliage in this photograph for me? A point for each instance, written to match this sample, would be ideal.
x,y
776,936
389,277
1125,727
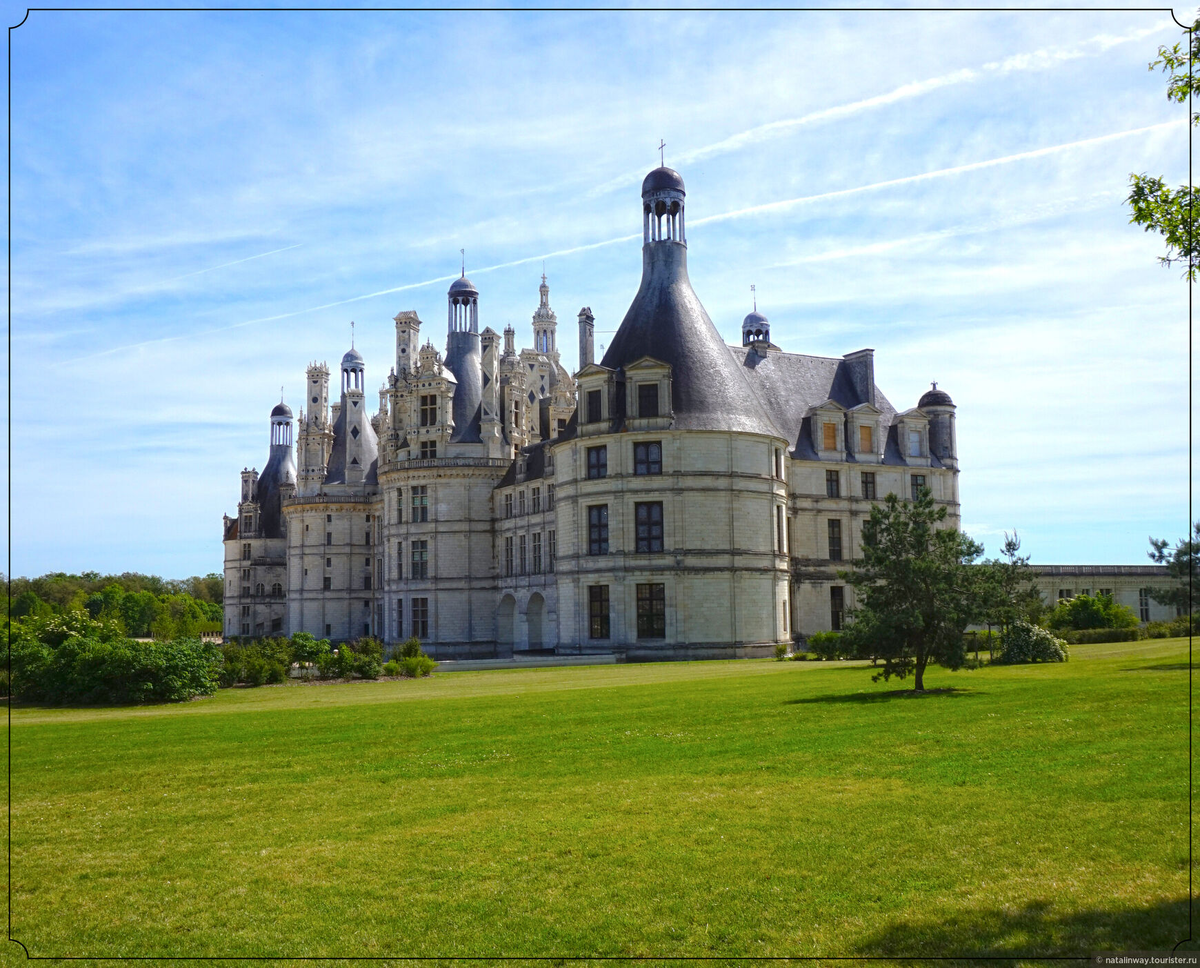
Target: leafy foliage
x,y
1090,612
1009,590
827,645
1025,642
1153,205
79,660
1183,568
916,591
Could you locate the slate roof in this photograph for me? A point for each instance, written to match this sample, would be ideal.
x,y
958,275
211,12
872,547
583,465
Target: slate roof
x,y
336,471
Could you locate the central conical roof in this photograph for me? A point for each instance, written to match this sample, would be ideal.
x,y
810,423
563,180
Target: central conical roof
x,y
666,321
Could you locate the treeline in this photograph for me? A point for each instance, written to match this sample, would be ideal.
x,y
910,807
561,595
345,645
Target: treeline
x,y
139,606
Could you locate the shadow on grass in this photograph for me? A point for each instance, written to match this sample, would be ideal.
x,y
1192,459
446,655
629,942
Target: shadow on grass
x,y
865,697
1036,929
1161,667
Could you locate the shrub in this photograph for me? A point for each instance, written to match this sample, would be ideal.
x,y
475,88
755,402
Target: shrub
x,y
415,666
411,648
1159,630
255,663
827,645
1084,636
82,670
1088,612
781,652
391,668
1023,642
304,647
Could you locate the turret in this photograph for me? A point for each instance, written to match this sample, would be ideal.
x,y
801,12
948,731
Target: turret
x,y
545,324
491,419
942,440
355,451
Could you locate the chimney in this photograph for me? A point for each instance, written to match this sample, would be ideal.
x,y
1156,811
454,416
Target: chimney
x,y
861,366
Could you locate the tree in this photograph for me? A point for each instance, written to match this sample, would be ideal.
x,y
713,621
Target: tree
x,y
1088,612
1183,566
915,588
1154,206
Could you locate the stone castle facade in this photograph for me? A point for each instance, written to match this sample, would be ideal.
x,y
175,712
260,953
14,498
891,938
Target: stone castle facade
x,y
681,498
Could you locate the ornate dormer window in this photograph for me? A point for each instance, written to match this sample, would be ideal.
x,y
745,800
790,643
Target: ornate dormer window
x,y
594,386
912,434
866,433
828,421
648,394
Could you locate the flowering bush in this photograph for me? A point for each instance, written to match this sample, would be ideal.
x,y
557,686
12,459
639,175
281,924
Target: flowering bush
x,y
1023,642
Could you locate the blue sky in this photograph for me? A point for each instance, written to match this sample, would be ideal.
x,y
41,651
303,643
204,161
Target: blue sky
x,y
203,201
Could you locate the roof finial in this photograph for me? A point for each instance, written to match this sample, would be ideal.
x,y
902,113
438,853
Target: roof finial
x,y
543,272
661,157
352,334
463,253
934,384
281,394
754,297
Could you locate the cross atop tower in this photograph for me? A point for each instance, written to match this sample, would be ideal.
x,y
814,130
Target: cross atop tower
x,y
661,145
352,334
463,253
754,297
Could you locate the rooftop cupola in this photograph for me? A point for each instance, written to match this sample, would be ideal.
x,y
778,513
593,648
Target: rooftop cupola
x,y
662,207
281,425
463,306
352,370
755,327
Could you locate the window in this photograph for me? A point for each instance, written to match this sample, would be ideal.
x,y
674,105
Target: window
x,y
649,526
837,607
366,628
328,585
367,583
245,611
367,606
367,536
866,440
521,502
328,562
277,590
420,503
829,436
428,449
329,519
647,457
508,555
1065,593
508,505
647,399
245,552
593,406
247,522
328,630
1106,591
420,618
914,443
835,540
1144,604
785,616
868,485
399,561
1085,591
562,426
245,591
537,552
598,529
597,462
245,574
329,537
832,484
598,611
420,560
245,628
918,485
535,500
551,550
780,545
549,497
260,589
521,542
651,611
399,505
778,463
399,617
429,410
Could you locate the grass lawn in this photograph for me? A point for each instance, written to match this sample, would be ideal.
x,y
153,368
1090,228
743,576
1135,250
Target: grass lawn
x,y
706,809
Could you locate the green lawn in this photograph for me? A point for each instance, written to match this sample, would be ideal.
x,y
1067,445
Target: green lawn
x,y
719,808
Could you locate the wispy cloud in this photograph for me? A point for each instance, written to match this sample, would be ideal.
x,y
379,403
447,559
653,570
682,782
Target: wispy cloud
x,y
1043,59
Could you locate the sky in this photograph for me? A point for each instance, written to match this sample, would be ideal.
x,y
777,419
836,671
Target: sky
x,y
203,201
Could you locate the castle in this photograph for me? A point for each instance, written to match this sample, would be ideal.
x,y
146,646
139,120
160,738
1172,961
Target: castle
x,y
682,498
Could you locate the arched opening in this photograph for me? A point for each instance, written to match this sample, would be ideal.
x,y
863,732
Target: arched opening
x,y
504,620
535,614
